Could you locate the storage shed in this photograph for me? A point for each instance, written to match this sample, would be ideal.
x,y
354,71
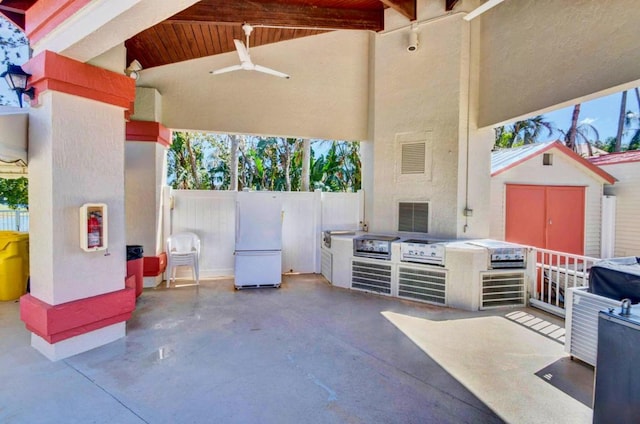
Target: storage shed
x,y
546,195
625,167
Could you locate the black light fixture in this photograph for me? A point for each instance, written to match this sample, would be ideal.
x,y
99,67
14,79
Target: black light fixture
x,y
17,79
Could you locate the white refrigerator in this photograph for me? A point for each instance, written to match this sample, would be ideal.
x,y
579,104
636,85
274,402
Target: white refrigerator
x,y
258,252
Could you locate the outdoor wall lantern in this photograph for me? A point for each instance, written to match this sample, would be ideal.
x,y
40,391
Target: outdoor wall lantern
x,y
17,79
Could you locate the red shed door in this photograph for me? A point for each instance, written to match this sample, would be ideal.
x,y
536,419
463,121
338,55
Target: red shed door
x,y
565,219
549,217
525,215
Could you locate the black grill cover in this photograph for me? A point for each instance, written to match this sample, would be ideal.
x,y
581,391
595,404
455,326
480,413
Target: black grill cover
x,y
617,278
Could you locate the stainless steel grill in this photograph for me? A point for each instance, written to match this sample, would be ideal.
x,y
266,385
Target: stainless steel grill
x,y
373,246
502,254
423,251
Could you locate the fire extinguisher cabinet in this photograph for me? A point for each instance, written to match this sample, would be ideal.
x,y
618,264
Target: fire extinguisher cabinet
x,y
93,227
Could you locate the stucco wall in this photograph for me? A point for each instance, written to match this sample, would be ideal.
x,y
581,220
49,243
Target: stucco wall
x,y
417,95
541,53
627,207
326,97
564,171
144,172
76,156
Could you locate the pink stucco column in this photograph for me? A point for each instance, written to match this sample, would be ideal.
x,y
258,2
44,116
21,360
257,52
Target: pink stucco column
x,y
78,299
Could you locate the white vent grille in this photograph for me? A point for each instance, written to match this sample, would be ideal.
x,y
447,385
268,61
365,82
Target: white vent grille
x,y
502,289
422,284
370,276
413,158
583,324
326,264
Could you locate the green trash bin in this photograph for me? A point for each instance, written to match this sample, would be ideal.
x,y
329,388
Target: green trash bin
x,y
14,264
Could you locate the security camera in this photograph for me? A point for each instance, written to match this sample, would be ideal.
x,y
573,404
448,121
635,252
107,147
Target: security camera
x,y
133,69
413,41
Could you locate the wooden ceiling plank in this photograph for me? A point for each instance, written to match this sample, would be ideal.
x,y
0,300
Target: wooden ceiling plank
x,y
203,48
203,34
215,37
138,49
450,4
283,14
405,7
168,40
183,41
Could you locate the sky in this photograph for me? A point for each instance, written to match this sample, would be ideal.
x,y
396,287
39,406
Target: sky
x,y
602,113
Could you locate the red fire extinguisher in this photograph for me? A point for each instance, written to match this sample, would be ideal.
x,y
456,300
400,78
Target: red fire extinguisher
x,y
93,231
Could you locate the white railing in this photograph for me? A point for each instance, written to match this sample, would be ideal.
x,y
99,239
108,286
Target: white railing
x,y
555,272
14,220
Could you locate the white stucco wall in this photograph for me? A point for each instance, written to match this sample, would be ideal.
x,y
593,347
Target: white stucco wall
x,y
113,60
326,97
76,156
148,105
563,172
627,206
417,95
541,53
145,172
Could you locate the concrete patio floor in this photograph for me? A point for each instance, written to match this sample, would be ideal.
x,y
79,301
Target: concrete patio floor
x,y
306,352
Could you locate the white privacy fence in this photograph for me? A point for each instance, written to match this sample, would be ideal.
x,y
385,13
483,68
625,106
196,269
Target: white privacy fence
x,y
211,215
13,220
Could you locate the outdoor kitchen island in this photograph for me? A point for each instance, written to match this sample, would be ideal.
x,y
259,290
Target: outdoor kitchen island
x,y
468,275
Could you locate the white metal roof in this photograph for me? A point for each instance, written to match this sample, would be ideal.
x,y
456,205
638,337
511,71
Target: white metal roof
x,y
505,158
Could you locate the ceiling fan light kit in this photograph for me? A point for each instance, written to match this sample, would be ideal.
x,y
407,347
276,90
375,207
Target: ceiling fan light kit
x,y
245,59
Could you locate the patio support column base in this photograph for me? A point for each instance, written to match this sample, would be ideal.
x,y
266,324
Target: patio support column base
x,y
67,329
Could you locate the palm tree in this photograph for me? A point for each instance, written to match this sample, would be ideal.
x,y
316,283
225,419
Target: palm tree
x,y
579,131
630,117
522,132
621,120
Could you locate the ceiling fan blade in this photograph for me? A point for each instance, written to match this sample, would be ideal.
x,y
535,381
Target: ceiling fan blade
x,y
270,71
225,70
243,53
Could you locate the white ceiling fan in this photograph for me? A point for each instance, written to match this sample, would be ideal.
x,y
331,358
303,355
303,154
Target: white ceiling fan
x,y
245,60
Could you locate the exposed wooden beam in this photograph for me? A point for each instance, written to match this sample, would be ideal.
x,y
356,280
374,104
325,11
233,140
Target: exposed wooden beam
x,y
17,6
14,11
406,7
16,18
450,4
271,13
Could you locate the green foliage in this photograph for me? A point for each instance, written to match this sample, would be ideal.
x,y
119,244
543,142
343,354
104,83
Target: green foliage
x,y
201,161
609,145
14,192
522,132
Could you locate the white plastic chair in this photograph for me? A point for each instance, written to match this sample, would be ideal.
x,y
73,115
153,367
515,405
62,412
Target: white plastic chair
x,y
183,249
